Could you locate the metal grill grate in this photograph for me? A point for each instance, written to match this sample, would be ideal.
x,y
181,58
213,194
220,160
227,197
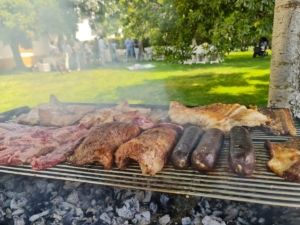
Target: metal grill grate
x,y
263,187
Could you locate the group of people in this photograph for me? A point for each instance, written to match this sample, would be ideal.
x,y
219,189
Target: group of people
x,y
134,49
66,55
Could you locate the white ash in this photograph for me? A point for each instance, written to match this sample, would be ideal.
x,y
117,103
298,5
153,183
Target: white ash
x,y
34,201
164,220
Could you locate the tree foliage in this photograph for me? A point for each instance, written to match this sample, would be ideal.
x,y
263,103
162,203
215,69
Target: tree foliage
x,y
227,24
22,21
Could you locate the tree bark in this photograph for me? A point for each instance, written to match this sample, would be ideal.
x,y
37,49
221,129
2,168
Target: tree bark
x,y
14,45
284,86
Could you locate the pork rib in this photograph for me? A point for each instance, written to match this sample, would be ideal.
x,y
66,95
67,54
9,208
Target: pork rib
x,y
101,143
150,149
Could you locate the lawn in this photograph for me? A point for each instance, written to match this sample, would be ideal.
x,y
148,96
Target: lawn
x,y
240,78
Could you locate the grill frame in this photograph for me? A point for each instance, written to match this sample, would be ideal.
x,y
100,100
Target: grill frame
x,y
264,187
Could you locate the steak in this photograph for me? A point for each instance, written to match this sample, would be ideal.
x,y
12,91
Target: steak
x,y
221,116
102,142
21,144
150,149
68,139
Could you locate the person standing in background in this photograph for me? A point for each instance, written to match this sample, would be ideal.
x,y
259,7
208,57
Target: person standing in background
x,y
129,48
101,49
136,49
113,50
77,53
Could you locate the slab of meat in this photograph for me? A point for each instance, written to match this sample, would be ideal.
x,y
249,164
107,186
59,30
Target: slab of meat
x,y
121,113
102,142
281,122
285,158
68,139
21,144
55,114
150,149
221,116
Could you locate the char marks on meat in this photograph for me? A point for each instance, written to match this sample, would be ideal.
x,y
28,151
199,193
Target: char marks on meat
x,y
102,142
281,123
221,116
150,149
285,158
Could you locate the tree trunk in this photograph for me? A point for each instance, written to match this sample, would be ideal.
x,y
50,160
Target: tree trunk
x,y
285,65
14,45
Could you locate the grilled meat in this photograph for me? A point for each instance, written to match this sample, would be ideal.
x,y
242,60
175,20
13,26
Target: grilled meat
x,y
281,122
221,116
241,152
120,113
55,114
285,158
182,152
21,144
101,143
150,149
207,152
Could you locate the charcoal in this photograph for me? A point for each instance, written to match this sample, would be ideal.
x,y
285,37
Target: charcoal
x,y
186,221
49,202
164,220
104,217
143,218
18,212
73,197
208,220
130,207
19,220
38,216
18,203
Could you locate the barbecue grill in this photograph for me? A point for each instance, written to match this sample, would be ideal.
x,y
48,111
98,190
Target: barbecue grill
x,y
263,187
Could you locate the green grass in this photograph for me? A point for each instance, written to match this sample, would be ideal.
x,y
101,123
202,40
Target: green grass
x,y
238,79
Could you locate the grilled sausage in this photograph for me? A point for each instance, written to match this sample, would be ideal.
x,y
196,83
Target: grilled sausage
x,y
241,152
182,152
206,153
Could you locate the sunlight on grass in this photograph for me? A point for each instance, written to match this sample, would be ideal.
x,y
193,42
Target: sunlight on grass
x,y
238,79
232,90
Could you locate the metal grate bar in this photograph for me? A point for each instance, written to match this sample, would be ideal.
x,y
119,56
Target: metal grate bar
x,y
263,187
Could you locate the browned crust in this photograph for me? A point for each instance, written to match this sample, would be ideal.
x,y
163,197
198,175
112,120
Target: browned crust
x,y
281,122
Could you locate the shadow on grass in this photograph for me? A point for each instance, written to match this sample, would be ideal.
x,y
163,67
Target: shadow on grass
x,y
196,90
